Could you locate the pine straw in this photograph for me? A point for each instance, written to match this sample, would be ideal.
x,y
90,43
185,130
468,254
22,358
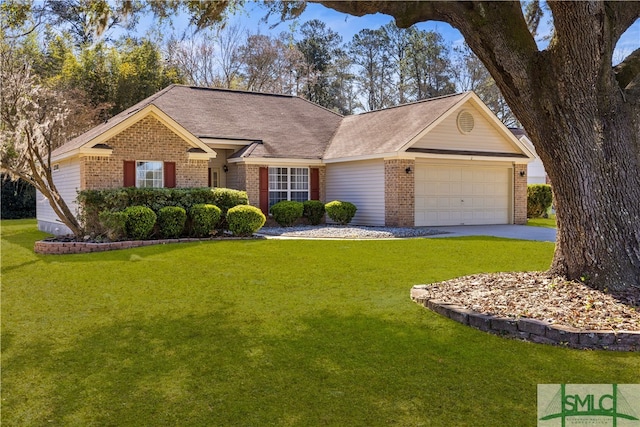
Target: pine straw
x,y
536,295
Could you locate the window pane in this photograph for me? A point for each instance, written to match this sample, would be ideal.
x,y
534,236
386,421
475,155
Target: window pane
x,y
149,174
299,196
299,179
278,179
276,196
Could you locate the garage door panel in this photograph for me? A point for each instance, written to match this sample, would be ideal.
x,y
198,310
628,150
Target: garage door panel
x,y
453,195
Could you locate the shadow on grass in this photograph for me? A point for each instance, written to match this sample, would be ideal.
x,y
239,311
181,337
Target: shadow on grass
x,y
328,370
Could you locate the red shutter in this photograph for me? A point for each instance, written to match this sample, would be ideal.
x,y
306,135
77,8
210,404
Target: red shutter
x,y
315,183
129,173
264,190
169,174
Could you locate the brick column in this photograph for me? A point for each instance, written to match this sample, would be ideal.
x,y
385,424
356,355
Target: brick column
x,y
520,194
399,193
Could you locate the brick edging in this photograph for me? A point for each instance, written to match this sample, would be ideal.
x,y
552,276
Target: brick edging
x,y
46,247
533,330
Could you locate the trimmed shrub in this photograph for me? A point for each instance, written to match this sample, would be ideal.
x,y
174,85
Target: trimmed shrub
x,y
140,222
539,200
114,224
313,210
204,218
225,199
171,221
244,220
340,212
92,202
286,212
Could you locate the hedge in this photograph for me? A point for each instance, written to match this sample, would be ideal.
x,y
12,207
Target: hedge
x,y
340,212
286,212
539,200
140,222
93,202
171,221
204,218
313,210
245,220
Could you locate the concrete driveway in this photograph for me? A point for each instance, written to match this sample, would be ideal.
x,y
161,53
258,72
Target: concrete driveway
x,y
522,232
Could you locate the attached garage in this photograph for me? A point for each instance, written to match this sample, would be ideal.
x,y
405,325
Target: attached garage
x,y
462,194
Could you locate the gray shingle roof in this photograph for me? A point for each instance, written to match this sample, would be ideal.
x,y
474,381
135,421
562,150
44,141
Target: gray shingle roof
x,y
285,126
288,126
388,130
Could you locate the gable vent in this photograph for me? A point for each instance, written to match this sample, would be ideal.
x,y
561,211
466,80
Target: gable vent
x,y
465,121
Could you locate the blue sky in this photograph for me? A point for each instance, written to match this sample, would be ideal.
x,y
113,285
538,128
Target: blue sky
x,y
347,26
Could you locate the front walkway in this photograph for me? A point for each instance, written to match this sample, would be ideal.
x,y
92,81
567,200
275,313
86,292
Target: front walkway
x,y
522,232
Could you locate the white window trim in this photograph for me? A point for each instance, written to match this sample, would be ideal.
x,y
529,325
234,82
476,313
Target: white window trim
x,y
289,190
161,173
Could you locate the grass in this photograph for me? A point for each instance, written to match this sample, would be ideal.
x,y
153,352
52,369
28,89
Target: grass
x,y
268,332
543,222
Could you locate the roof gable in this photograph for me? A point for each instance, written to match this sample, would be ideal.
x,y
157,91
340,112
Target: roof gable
x,y
387,131
468,127
85,143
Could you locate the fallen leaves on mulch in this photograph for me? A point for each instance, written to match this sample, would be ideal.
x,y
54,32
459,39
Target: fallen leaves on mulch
x,y
536,295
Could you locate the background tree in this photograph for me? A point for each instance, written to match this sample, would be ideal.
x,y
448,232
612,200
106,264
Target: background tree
x,y
318,45
34,121
428,64
369,52
469,73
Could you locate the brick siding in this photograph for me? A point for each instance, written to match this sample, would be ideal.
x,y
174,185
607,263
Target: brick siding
x,y
520,194
147,139
399,193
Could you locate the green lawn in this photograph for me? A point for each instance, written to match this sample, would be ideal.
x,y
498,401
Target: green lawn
x,y
543,222
267,332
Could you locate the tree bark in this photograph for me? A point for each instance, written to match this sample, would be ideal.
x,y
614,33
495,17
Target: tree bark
x,y
584,125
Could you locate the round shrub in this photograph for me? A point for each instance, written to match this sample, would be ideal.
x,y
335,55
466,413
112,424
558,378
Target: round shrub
x,y
286,212
340,212
204,218
313,210
539,200
114,224
140,222
244,220
171,220
226,198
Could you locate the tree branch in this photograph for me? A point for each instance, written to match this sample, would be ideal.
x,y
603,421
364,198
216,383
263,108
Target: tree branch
x,y
622,14
628,70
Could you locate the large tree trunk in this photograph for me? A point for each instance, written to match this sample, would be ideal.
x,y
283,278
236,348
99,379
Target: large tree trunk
x,y
584,123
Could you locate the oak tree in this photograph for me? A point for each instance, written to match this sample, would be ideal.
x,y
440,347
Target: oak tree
x,y
582,114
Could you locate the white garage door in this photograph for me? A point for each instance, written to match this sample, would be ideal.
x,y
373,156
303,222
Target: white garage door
x,y
462,195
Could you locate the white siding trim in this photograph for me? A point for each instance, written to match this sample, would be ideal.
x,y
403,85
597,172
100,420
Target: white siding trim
x,y
361,183
67,180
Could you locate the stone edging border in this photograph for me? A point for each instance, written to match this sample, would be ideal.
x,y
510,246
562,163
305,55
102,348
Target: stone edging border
x,y
48,247
531,329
